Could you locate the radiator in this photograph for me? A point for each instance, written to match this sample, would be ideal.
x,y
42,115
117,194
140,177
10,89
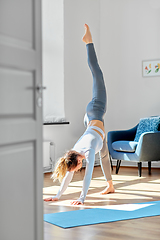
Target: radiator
x,y
48,156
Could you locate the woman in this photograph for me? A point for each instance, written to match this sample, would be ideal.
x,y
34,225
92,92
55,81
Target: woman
x,y
92,141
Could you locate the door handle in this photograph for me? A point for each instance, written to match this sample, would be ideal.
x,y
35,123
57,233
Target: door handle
x,y
39,88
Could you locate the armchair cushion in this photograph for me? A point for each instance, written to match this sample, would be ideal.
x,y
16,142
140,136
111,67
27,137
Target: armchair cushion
x,y
124,146
150,124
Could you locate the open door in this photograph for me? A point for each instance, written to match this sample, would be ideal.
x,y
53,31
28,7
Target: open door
x,y
21,171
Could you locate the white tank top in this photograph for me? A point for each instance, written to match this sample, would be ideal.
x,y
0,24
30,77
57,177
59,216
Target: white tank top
x,y
88,145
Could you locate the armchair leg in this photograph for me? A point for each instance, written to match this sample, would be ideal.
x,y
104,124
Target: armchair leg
x,y
118,166
149,168
139,169
111,162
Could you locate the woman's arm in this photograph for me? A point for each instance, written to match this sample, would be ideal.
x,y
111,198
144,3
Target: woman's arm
x,y
65,182
90,157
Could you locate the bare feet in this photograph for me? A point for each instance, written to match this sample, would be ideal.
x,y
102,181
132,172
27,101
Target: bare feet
x,y
108,189
87,38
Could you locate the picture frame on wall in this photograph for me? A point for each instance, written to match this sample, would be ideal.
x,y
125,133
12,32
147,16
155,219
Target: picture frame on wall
x,y
151,68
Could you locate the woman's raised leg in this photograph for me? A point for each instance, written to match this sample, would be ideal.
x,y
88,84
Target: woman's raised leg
x,y
97,107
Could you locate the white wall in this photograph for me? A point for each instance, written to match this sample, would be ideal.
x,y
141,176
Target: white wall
x,y
129,34
125,32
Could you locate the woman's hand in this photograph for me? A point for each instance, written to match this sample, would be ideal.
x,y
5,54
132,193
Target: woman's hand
x,y
76,202
50,199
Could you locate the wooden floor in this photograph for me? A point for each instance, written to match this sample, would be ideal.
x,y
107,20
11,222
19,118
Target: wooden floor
x,y
129,189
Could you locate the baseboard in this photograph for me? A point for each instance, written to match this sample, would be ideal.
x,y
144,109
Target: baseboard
x,y
155,164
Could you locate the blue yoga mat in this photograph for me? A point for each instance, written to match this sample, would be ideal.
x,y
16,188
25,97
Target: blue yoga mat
x,y
99,215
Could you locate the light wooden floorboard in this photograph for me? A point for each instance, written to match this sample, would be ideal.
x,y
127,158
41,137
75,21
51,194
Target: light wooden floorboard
x,y
129,189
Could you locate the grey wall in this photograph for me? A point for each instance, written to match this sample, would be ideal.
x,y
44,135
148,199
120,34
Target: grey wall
x,y
125,33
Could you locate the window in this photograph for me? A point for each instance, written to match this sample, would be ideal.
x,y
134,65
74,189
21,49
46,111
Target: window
x,y
53,60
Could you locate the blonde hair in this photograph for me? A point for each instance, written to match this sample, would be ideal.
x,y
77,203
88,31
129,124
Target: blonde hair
x,y
66,163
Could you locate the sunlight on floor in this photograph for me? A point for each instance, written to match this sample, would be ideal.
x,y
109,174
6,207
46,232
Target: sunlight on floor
x,y
127,189
155,181
147,187
54,189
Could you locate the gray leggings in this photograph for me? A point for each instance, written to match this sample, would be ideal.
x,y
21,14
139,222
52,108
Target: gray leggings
x,y
97,107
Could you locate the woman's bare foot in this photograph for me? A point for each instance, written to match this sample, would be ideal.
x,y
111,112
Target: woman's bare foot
x,y
108,189
87,38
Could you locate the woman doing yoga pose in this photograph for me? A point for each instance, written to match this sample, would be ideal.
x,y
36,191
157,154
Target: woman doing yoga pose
x,y
92,141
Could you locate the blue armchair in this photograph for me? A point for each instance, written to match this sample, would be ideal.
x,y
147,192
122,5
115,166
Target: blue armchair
x,y
122,146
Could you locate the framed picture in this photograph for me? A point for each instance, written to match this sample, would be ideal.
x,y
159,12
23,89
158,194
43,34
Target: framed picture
x,y
151,68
